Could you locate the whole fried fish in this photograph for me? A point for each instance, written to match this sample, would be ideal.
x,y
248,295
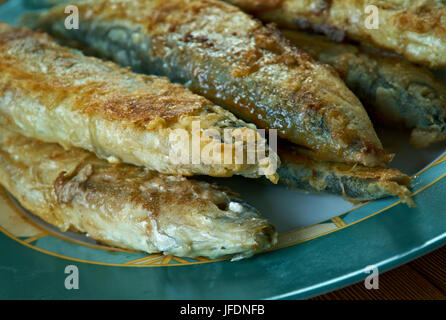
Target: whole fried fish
x,y
415,29
354,183
129,207
395,91
58,95
223,54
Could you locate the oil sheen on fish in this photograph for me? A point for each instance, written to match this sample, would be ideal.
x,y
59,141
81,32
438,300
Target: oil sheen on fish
x,y
354,183
415,29
223,54
57,95
395,91
127,206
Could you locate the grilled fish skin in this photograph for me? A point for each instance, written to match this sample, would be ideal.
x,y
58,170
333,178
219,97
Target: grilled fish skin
x,y
57,95
355,183
415,29
395,91
127,206
223,54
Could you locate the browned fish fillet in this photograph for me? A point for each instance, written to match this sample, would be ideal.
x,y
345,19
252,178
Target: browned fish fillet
x,y
415,29
57,95
230,58
355,183
127,206
395,91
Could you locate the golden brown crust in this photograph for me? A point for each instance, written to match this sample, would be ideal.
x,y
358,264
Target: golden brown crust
x,y
225,55
57,95
125,96
127,206
414,29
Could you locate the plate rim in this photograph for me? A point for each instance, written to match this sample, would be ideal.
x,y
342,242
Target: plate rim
x,y
437,171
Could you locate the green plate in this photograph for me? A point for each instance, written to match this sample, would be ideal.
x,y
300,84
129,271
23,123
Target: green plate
x,y
325,243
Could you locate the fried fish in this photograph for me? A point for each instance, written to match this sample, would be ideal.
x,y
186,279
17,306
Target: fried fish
x,y
415,29
395,91
127,206
354,183
58,95
223,54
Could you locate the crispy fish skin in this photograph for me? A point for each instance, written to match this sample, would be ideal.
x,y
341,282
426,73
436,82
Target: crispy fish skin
x,y
129,207
57,95
415,29
354,183
395,91
230,58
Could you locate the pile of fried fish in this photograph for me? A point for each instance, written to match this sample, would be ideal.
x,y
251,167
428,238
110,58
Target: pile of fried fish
x,y
85,143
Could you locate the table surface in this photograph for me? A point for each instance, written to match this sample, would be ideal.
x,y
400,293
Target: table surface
x,y
422,279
